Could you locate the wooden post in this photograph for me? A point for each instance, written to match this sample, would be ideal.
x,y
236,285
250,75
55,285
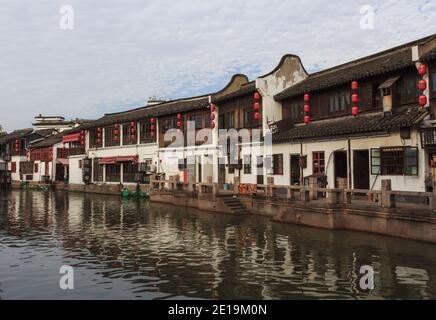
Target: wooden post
x,y
332,196
387,200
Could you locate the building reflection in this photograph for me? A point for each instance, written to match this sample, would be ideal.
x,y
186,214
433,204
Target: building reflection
x,y
177,252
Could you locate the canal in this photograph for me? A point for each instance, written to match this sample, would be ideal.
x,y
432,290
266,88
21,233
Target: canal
x,y
128,249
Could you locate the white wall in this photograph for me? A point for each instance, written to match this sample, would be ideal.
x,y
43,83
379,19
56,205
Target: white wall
x,y
76,173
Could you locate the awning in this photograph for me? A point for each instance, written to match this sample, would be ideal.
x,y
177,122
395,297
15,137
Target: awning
x,y
62,161
71,138
113,160
388,83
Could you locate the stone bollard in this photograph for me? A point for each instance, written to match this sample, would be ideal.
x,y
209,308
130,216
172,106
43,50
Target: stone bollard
x,y
343,185
332,197
313,185
387,200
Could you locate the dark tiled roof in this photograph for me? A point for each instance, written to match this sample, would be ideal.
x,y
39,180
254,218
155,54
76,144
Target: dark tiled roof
x,y
245,89
176,106
431,55
48,141
376,122
15,134
380,63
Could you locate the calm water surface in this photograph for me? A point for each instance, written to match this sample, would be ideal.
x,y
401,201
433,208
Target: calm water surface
x,y
137,250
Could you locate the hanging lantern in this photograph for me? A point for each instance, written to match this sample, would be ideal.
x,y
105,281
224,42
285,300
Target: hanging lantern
x,y
152,127
179,124
306,119
212,125
99,141
152,120
306,108
132,124
132,137
422,69
99,130
422,85
306,97
355,98
82,142
257,116
354,85
256,106
152,134
256,96
422,100
117,126
212,116
132,130
179,116
212,108
355,111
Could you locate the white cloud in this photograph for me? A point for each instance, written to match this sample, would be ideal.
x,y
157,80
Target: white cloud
x,y
121,52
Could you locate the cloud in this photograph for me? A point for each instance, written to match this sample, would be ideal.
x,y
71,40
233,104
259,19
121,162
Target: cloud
x,y
122,52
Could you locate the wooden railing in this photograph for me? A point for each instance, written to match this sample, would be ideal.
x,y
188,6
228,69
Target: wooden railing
x,y
65,153
428,137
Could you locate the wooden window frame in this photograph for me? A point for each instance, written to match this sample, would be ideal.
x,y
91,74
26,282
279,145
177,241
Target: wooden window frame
x,y
316,158
97,170
113,175
130,172
394,161
109,140
277,160
247,164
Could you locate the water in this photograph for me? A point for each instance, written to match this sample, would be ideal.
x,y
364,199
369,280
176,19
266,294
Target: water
x,y
137,250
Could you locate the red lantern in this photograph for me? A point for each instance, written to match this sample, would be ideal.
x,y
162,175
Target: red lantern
x,y
355,111
306,108
257,116
99,130
152,134
179,124
212,108
422,85
117,126
212,116
179,116
422,69
152,127
115,132
152,120
306,97
98,141
256,96
132,124
354,85
422,100
132,137
132,131
256,106
355,98
306,119
212,125
82,142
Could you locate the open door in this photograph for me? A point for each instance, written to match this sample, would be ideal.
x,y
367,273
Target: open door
x,y
361,169
340,164
295,169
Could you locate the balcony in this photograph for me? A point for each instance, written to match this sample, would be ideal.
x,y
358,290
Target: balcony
x,y
65,153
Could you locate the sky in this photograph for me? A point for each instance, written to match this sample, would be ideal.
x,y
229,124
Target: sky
x,y
120,53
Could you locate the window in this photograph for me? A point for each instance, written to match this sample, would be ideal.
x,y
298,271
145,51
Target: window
x,y
247,164
97,170
339,102
113,173
145,132
197,119
394,161
249,119
36,168
93,134
318,163
127,134
278,164
80,164
130,172
13,167
109,138
375,161
297,111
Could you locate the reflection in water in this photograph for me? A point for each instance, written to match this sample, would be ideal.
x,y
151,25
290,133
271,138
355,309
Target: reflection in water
x,y
133,249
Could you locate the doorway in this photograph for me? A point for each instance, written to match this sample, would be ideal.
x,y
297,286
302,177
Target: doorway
x,y
295,169
340,165
361,169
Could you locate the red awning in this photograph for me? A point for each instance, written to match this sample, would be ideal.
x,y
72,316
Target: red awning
x,y
71,138
113,160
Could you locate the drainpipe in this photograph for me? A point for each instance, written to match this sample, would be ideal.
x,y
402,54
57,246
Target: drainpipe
x,y
301,168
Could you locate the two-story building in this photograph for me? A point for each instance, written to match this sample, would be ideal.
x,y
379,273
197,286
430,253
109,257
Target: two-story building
x,y
360,121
